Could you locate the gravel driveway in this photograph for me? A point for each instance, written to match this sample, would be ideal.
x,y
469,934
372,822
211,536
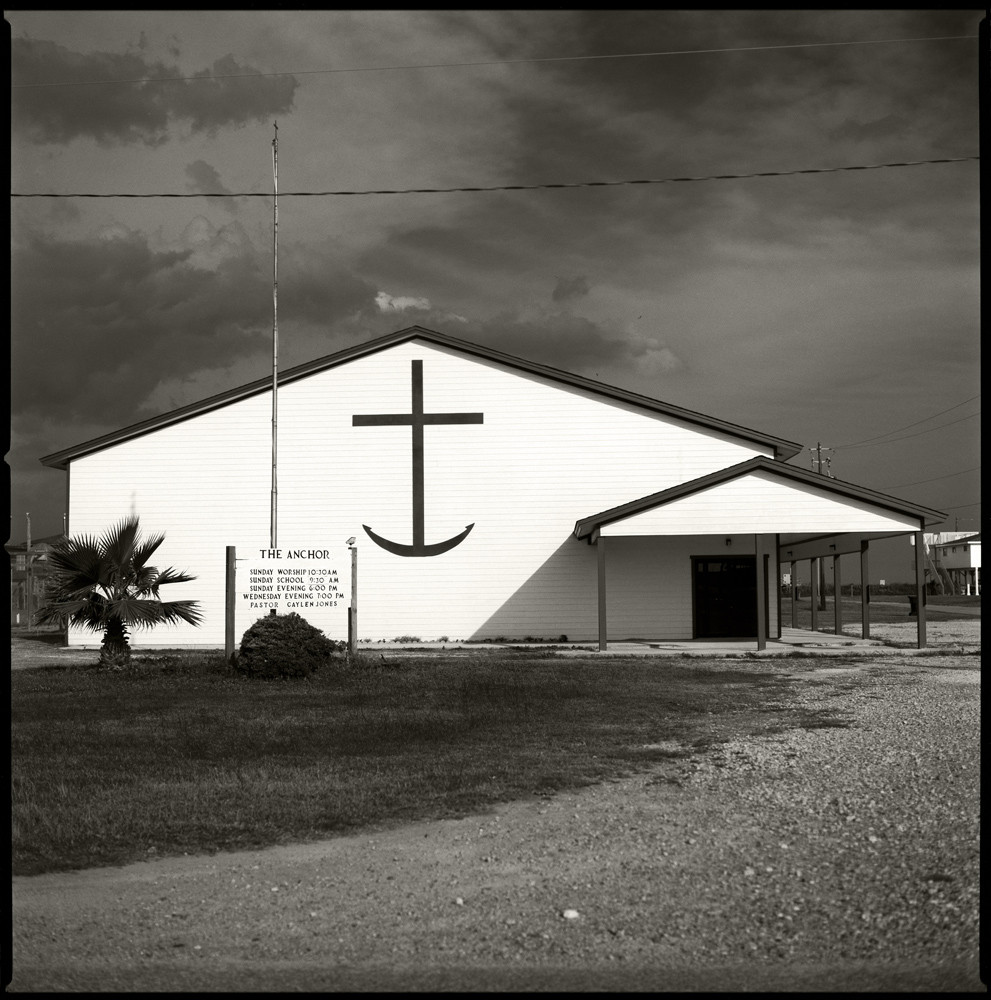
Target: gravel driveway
x,y
835,858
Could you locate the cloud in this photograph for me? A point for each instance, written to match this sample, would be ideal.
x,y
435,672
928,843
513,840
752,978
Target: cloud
x,y
210,246
655,357
561,340
399,303
124,316
34,488
203,178
570,288
88,106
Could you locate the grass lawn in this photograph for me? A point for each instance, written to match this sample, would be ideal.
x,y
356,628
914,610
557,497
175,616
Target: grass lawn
x,y
955,600
176,755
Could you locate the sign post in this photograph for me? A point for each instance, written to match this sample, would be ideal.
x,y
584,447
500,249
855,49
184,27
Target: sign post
x,y
353,609
230,604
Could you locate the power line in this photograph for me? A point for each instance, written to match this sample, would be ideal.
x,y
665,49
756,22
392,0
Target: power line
x,y
498,187
960,506
905,437
856,444
936,479
486,62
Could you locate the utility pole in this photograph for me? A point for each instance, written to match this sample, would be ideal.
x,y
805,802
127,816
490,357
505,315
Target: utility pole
x,y
818,460
273,529
28,576
817,465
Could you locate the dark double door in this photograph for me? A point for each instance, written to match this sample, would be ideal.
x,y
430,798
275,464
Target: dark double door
x,y
725,596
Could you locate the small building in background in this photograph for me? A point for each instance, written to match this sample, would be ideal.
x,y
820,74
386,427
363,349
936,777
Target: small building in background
x,y
29,571
954,558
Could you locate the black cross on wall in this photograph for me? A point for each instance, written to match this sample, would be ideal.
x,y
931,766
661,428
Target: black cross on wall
x,y
416,420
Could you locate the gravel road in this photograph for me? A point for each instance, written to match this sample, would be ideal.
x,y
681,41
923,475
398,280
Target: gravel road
x,y
828,859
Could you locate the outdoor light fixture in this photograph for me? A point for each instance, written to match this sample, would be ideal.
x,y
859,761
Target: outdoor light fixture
x,y
729,541
351,540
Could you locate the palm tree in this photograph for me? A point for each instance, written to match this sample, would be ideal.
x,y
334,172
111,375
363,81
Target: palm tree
x,y
105,584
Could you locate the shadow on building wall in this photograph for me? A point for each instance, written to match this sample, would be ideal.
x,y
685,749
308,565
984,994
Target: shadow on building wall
x,y
559,599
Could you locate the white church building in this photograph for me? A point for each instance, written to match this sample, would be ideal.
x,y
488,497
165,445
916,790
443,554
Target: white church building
x,y
488,498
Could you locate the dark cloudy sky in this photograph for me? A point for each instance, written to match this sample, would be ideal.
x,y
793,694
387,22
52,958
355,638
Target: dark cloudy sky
x,y
834,307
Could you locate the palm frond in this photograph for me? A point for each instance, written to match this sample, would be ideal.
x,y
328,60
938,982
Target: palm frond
x,y
145,581
51,614
186,611
170,575
145,549
76,542
78,564
117,543
86,613
143,613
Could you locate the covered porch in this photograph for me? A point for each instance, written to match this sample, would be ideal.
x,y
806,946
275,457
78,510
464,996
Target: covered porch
x,y
787,515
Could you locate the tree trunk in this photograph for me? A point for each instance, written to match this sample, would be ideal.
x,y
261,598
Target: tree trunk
x,y
115,650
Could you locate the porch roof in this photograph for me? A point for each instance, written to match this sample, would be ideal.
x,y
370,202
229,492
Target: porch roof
x,y
760,496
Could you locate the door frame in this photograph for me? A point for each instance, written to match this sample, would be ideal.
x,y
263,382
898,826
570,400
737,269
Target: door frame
x,y
764,604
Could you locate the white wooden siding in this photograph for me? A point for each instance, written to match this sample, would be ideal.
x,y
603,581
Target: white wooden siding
x,y
760,502
545,456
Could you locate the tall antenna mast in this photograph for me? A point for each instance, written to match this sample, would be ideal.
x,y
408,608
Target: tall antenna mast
x,y
275,341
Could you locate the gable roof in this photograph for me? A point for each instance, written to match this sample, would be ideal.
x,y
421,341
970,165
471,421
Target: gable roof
x,y
37,544
966,540
782,448
586,526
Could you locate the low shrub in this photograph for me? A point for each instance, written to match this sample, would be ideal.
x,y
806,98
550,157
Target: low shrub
x,y
279,646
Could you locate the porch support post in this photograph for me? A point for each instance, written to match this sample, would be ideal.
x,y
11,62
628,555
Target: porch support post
x,y
761,593
837,598
865,592
814,588
794,594
777,588
920,588
600,549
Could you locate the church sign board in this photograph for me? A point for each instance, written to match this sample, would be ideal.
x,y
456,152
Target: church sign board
x,y
306,580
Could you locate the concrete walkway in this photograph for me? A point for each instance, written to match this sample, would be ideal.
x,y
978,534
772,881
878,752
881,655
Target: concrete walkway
x,y
25,653
792,640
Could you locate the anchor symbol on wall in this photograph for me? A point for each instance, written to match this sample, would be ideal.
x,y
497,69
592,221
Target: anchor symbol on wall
x,y
416,420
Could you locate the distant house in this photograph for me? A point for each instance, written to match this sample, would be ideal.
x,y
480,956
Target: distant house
x,y
29,571
956,559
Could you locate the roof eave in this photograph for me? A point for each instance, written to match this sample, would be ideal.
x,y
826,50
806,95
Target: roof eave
x,y
586,526
782,448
